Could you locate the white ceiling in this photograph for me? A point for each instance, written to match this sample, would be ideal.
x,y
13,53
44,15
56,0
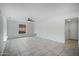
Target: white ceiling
x,y
37,11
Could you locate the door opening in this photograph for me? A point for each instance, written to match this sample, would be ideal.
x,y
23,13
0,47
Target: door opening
x,y
71,33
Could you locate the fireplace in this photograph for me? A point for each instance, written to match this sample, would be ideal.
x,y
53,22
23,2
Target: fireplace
x,y
22,28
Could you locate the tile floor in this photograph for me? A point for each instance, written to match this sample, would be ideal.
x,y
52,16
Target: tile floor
x,y
71,43
35,46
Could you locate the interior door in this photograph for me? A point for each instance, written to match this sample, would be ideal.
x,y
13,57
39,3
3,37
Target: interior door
x,y
73,29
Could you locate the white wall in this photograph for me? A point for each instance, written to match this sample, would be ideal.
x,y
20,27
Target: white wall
x,y
16,11
1,33
54,27
2,42
50,18
78,31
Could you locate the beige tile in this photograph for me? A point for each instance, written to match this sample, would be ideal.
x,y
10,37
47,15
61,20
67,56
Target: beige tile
x,y
35,46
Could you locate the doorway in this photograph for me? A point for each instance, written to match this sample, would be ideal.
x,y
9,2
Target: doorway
x,y
71,32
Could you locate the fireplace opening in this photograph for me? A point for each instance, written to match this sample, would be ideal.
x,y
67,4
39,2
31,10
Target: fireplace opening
x,y
22,28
